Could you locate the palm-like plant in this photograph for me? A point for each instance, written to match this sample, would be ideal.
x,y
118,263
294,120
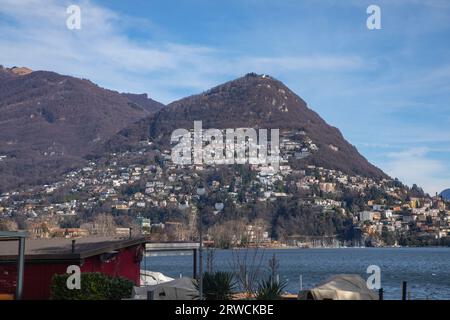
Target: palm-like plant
x,y
218,285
270,290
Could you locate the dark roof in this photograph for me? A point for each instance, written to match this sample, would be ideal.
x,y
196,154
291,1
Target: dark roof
x,y
61,248
12,235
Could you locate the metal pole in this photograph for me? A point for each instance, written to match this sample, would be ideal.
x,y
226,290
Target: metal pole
x,y
20,268
301,282
200,257
195,264
404,286
380,294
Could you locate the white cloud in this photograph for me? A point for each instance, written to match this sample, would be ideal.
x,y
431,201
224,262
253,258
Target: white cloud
x,y
292,63
37,37
415,166
33,33
100,51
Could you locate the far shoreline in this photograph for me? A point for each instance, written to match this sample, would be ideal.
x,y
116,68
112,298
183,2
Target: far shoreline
x,y
300,248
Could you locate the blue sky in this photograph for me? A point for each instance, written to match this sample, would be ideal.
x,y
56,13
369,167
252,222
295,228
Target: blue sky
x,y
387,90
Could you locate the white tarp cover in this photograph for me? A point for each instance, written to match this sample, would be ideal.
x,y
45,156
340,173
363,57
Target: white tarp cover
x,y
340,287
178,289
149,278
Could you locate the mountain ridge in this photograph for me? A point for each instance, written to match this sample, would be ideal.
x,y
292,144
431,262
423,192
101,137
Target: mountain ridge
x,y
256,101
445,194
50,122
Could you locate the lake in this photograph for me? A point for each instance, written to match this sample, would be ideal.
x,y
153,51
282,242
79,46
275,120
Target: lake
x,y
427,270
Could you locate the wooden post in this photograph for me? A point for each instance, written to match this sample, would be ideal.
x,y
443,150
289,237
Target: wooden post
x,y
404,286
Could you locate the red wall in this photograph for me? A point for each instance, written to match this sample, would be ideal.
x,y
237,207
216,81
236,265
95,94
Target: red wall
x,y
123,265
37,276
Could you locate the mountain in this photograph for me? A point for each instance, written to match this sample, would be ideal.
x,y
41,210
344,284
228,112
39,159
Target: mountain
x,y
49,122
144,102
255,101
445,194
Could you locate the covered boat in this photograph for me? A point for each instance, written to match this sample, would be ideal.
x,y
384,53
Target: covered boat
x,y
340,287
178,289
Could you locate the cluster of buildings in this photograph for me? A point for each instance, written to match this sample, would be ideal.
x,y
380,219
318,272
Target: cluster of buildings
x,y
426,217
126,184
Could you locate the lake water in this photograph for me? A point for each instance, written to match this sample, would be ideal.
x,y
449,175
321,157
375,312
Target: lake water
x,y
427,270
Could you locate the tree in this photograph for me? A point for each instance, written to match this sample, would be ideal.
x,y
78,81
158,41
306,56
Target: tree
x,y
247,265
387,236
8,225
105,225
228,233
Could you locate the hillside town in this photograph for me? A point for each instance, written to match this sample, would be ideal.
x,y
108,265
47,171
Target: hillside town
x,y
143,192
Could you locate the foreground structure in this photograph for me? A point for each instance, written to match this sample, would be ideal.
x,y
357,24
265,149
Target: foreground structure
x,y
45,257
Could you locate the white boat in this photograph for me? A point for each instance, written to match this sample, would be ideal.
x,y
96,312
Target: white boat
x,y
151,278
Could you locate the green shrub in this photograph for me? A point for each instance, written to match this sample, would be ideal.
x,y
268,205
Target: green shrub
x,y
218,285
94,286
120,288
270,290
